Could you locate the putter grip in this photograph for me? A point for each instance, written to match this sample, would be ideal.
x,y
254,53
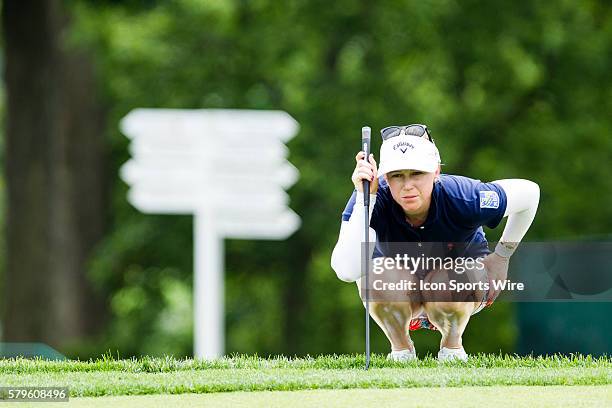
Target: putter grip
x,y
365,147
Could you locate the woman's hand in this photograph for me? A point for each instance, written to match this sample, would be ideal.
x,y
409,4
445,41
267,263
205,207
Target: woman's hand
x,y
497,269
365,171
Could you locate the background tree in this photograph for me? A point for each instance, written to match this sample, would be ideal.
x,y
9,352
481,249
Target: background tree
x,y
55,180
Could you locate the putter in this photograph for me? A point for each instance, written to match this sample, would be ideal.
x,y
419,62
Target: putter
x,y
365,142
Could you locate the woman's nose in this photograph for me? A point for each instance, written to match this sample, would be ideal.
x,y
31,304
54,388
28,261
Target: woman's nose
x,y
408,185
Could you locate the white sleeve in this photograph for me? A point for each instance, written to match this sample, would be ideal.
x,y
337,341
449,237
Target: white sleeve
x,y
523,197
346,258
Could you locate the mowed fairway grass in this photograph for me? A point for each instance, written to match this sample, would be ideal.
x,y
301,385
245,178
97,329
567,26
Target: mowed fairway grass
x,y
322,381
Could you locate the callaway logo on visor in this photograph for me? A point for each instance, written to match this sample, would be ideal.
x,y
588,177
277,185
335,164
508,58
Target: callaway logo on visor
x,y
405,149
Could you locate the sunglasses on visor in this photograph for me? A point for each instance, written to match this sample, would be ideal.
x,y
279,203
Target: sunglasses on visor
x,y
416,129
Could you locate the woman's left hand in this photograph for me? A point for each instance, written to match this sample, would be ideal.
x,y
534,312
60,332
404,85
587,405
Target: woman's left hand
x,y
497,270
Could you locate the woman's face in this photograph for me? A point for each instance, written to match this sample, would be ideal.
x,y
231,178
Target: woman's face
x,y
411,189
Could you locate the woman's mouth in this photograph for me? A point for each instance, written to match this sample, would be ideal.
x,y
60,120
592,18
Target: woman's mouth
x,y
409,197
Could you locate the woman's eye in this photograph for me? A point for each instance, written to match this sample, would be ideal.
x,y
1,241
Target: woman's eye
x,y
396,175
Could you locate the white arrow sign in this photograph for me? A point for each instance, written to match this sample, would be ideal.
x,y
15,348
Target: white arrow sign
x,y
175,201
223,148
243,126
226,167
262,225
182,172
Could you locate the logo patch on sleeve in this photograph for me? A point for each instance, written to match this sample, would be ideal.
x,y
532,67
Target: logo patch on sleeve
x,y
489,199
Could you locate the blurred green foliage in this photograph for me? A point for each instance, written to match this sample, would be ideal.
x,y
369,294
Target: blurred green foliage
x,y
509,88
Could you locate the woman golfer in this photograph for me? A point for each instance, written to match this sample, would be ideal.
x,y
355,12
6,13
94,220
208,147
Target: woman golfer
x,y
412,203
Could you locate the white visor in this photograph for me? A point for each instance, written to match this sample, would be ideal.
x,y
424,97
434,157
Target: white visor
x,y
408,153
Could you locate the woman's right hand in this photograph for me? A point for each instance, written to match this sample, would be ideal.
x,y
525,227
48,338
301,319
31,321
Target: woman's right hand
x,y
365,171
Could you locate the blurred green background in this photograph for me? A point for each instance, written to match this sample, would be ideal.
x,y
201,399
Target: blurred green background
x,y
510,89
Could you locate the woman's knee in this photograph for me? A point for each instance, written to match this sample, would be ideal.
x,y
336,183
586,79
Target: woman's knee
x,y
390,285
442,285
436,287
382,302
448,308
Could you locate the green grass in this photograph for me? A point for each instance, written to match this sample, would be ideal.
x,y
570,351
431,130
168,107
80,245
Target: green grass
x,y
497,396
171,364
108,376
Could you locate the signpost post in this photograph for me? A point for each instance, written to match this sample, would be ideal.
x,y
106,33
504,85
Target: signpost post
x,y
226,167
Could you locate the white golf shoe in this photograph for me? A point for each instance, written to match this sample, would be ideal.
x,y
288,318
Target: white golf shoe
x,y
448,354
402,355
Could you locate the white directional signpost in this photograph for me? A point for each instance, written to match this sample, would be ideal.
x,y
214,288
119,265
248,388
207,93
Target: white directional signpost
x,y
226,167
